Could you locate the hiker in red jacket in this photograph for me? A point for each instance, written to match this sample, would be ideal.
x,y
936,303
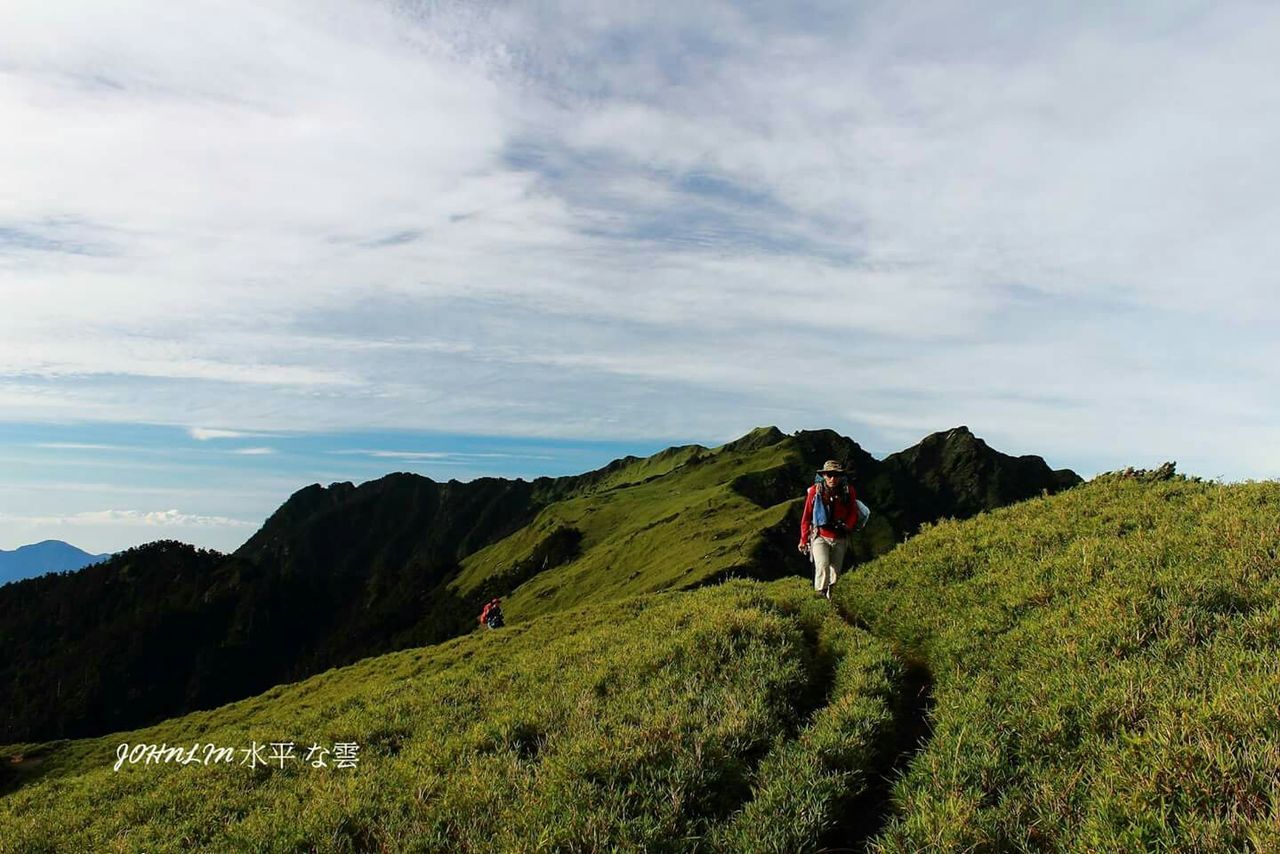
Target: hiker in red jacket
x,y
491,616
830,513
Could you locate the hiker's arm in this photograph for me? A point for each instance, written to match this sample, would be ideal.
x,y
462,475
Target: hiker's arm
x,y
804,521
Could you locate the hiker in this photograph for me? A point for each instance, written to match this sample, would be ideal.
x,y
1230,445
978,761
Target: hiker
x,y
491,616
831,511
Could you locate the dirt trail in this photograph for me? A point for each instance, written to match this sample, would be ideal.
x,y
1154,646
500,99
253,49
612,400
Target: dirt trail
x,y
866,816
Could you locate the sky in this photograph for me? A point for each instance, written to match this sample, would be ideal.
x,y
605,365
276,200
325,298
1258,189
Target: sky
x,y
245,247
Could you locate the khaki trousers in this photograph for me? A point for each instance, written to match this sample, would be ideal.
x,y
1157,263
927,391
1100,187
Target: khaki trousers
x,y
828,560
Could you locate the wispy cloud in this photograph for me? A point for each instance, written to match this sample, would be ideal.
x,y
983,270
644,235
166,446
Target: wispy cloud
x,y
83,446
204,434
254,452
437,456
1052,223
132,518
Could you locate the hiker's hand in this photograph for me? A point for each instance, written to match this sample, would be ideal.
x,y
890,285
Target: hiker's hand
x,y
804,548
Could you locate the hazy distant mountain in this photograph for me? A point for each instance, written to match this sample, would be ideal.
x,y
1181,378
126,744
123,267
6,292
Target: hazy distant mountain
x,y
39,558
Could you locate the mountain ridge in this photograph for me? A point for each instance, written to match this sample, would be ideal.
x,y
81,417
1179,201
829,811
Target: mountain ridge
x,y
343,572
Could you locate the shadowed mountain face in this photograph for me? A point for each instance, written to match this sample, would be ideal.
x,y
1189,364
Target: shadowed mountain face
x,y
344,572
952,474
956,474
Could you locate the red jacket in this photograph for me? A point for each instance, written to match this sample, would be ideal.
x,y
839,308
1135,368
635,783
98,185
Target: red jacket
x,y
842,505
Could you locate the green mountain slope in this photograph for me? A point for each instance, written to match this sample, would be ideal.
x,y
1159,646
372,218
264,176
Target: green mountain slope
x,y
1106,666
734,510
677,529
731,717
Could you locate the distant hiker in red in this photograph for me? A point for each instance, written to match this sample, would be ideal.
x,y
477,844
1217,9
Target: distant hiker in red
x,y
491,616
830,513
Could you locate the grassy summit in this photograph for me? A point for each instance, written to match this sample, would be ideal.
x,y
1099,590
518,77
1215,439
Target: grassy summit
x,y
1107,666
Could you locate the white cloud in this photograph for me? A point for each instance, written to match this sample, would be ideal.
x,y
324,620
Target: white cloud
x,y
204,434
254,452
131,518
590,220
437,456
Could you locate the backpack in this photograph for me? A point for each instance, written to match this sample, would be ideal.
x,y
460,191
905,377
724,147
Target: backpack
x,y
821,513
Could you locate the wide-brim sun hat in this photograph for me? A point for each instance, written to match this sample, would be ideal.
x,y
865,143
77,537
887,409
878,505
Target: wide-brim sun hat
x,y
831,467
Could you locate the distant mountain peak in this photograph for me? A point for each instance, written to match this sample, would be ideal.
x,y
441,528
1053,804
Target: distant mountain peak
x,y
959,436
45,556
957,470
760,437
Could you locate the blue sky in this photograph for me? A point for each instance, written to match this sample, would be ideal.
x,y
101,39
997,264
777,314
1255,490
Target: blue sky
x,y
106,486
564,231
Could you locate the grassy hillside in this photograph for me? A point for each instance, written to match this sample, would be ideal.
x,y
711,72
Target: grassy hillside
x,y
677,529
1106,665
744,714
691,515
